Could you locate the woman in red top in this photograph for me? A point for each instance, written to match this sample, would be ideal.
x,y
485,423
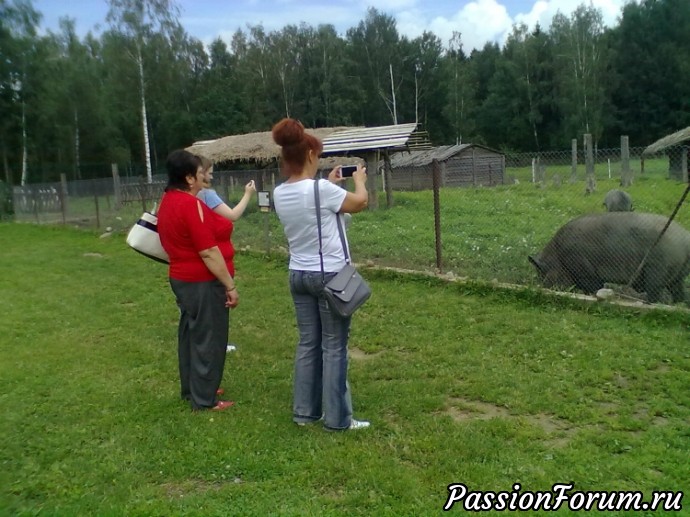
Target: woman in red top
x,y
201,276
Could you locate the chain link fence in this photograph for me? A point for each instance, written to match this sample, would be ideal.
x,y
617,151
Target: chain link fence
x,y
537,219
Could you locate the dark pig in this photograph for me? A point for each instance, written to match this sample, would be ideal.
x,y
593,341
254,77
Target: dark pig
x,y
607,248
618,201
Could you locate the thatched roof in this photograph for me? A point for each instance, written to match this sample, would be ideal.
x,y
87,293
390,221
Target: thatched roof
x,y
668,141
254,147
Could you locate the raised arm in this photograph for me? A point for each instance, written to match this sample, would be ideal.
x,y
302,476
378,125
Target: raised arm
x,y
234,214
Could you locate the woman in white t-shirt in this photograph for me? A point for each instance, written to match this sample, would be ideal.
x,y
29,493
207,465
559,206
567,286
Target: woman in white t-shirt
x,y
321,389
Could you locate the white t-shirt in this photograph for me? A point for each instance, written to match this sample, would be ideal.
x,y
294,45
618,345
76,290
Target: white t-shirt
x,y
294,203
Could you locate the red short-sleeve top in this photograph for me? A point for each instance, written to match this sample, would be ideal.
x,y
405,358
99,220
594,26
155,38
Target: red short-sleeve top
x,y
187,226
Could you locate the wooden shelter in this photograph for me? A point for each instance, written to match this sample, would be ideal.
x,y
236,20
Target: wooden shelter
x,y
371,142
461,165
677,152
341,145
258,148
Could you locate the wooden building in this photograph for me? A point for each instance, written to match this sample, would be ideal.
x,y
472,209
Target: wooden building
x,y
463,165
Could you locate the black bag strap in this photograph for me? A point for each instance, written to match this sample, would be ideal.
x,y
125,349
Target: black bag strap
x,y
317,205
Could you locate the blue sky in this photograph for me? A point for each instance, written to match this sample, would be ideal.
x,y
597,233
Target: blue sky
x,y
479,21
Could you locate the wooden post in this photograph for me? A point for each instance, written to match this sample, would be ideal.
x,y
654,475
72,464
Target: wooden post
x,y
474,168
117,187
388,175
437,211
63,196
684,163
372,171
98,212
626,174
573,160
589,165
35,195
503,169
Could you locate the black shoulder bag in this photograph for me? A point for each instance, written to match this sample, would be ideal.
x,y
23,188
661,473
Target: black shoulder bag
x,y
347,291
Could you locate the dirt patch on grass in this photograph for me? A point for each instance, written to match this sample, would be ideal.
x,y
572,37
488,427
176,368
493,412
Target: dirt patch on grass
x,y
463,410
361,355
558,432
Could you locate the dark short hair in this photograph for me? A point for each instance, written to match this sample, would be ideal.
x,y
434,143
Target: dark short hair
x,y
180,164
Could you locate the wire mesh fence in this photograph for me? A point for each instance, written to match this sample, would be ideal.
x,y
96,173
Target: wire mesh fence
x,y
537,219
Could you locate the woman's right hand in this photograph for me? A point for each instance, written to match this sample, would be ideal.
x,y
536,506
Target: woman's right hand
x,y
232,299
250,187
360,175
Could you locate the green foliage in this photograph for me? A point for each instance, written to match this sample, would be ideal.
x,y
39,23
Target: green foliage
x,y
461,383
68,102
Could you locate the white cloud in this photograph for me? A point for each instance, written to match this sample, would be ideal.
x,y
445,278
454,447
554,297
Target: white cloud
x,y
543,11
477,22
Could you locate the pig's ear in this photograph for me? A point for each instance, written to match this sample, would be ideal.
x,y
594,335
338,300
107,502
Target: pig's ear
x,y
536,263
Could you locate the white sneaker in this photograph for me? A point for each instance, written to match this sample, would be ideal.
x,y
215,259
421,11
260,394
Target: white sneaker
x,y
231,348
358,424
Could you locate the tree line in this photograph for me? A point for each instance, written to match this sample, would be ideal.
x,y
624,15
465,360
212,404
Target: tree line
x,y
144,86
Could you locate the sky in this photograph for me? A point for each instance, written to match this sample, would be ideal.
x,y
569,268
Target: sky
x,y
479,21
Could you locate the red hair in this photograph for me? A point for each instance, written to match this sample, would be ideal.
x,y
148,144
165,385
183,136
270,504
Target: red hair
x,y
296,144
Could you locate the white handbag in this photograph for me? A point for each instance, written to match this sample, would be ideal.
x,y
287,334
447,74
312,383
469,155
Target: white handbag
x,y
144,238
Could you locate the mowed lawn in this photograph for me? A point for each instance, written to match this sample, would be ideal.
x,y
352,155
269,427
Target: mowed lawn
x,y
462,384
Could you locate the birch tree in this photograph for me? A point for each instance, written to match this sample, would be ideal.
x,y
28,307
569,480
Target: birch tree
x,y
374,48
138,21
581,61
18,21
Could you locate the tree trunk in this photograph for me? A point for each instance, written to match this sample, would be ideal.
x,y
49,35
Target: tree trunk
x,y
25,155
77,164
395,111
144,121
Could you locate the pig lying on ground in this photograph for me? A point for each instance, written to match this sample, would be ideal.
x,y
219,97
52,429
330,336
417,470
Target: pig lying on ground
x,y
608,248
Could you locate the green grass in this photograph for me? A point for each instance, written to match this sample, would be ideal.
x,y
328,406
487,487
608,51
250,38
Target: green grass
x,y
486,233
462,384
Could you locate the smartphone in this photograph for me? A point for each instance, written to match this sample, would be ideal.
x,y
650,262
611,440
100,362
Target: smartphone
x,y
346,171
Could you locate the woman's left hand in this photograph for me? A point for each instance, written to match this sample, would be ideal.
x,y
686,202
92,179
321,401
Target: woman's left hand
x,y
250,187
334,176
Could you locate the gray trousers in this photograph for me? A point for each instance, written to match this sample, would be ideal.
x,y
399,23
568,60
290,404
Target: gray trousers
x,y
202,337
320,384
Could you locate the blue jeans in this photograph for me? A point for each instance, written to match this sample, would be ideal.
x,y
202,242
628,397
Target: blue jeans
x,y
320,385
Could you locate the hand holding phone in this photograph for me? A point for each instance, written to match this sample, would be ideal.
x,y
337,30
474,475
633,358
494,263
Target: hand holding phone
x,y
346,171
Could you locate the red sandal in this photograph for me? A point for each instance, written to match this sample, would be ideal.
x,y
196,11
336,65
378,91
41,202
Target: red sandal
x,y
222,405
